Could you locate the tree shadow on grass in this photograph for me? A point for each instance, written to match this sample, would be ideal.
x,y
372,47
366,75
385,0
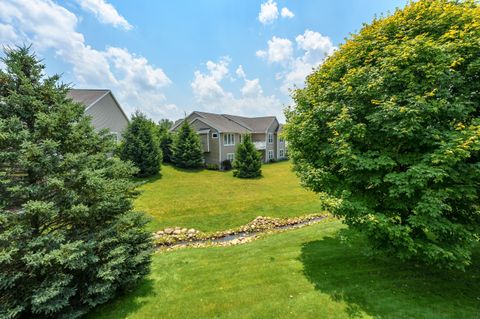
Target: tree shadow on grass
x,y
127,303
387,288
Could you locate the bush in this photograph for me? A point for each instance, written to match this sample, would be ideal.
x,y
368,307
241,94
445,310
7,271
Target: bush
x,y
226,165
187,150
211,166
68,237
248,162
387,130
140,145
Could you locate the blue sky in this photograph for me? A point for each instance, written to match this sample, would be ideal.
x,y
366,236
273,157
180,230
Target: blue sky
x,y
166,58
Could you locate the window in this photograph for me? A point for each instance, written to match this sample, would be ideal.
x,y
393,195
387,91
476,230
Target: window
x,y
115,136
281,153
230,156
214,135
228,139
270,154
270,138
281,139
241,138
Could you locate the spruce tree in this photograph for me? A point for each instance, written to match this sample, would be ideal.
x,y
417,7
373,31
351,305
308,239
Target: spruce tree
x,y
69,239
187,150
165,139
247,163
140,145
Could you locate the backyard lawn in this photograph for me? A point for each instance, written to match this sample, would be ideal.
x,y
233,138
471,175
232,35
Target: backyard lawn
x,y
304,273
214,200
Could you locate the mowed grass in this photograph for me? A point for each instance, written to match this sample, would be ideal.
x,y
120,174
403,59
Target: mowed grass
x,y
304,273
214,200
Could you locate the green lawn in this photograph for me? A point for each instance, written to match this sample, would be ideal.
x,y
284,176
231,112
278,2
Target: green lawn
x,y
305,273
213,200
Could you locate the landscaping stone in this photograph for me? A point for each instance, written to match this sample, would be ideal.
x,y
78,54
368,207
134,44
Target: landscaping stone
x,y
168,231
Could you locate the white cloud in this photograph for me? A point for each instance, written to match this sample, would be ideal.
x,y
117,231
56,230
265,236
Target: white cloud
x,y
134,81
279,50
211,96
240,72
105,13
286,13
315,47
261,53
268,12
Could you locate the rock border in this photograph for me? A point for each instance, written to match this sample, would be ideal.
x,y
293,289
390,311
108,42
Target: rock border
x,y
177,237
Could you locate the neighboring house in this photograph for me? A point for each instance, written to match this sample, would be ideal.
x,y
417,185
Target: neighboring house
x,y
220,135
104,109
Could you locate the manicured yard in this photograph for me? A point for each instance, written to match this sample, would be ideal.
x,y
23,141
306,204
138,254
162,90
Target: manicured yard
x,y
213,200
305,273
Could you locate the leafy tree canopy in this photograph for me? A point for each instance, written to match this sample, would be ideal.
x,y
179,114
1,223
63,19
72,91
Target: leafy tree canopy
x,y
69,239
388,131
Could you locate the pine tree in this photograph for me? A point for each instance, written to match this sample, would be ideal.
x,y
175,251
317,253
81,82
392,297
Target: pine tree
x,y
187,150
69,239
141,145
166,139
247,163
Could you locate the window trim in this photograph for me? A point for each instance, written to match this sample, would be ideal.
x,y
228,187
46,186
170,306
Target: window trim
x,y
268,138
226,139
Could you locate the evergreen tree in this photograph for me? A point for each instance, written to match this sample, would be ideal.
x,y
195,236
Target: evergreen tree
x,y
247,163
141,146
187,150
166,139
69,239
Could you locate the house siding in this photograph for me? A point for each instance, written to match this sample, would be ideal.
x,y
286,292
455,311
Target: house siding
x,y
210,155
106,114
230,148
271,147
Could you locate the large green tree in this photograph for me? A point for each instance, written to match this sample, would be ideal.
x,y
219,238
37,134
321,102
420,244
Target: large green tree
x,y
141,145
69,239
186,149
388,131
247,163
165,139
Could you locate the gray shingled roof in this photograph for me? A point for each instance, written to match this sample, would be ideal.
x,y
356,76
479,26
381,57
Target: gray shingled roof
x,y
233,123
86,96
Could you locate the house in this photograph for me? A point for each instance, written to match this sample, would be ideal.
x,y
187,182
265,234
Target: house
x,y
104,109
221,133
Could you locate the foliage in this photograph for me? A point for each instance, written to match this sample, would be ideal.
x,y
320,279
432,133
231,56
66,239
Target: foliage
x,y
248,162
186,149
141,146
226,165
69,239
307,271
211,200
212,166
388,131
166,139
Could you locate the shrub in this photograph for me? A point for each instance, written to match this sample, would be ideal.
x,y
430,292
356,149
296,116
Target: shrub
x,y
211,166
226,165
68,237
387,130
187,150
140,145
248,162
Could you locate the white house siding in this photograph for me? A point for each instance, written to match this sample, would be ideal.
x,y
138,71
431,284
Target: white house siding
x,y
271,129
107,115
